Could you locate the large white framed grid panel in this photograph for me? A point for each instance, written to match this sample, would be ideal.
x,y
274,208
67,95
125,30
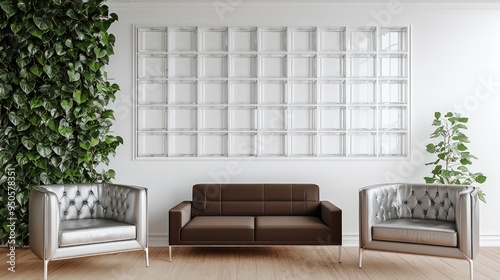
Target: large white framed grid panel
x,y
310,92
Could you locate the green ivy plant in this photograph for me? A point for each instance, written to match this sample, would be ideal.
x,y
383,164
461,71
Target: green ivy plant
x,y
54,124
453,156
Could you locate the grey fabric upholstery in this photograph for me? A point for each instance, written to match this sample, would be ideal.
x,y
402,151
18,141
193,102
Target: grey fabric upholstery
x,y
437,220
75,220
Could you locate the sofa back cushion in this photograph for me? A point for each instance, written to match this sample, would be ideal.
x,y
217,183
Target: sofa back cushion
x,y
255,200
417,201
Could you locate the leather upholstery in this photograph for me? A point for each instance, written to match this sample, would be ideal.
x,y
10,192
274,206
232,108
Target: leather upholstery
x,y
281,214
290,228
255,199
91,231
418,231
441,211
84,219
219,228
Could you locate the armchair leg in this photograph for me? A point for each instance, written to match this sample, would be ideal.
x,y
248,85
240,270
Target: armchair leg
x,y
471,268
360,261
147,256
45,269
169,253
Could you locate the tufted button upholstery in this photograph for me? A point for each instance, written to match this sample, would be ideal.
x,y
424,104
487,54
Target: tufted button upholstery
x,y
411,201
88,201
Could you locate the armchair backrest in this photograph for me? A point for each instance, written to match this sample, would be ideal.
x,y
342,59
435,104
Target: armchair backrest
x,y
92,201
255,199
417,201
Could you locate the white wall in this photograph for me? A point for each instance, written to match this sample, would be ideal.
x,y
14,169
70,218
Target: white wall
x,y
455,66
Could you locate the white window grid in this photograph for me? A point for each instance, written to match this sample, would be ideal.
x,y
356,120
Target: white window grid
x,y
272,92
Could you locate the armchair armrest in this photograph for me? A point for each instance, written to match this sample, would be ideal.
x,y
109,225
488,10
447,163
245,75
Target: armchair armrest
x,y
178,217
467,220
137,212
44,220
368,209
332,217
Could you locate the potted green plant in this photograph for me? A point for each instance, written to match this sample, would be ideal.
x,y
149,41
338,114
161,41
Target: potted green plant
x,y
54,92
453,157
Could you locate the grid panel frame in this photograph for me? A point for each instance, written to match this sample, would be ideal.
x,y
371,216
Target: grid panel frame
x,y
311,72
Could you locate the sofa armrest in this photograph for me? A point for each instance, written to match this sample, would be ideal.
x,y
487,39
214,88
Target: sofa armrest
x,y
178,217
467,220
137,209
44,219
332,217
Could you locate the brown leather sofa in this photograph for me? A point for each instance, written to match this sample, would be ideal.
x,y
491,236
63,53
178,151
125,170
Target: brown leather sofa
x,y
255,215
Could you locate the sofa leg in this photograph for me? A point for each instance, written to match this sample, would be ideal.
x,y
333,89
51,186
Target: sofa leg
x,y
360,260
340,254
169,253
45,268
147,256
471,268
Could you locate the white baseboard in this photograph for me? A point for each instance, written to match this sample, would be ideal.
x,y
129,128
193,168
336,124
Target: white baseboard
x,y
348,240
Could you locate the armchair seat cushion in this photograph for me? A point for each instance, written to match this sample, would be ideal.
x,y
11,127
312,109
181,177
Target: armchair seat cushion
x,y
219,228
291,228
419,231
91,231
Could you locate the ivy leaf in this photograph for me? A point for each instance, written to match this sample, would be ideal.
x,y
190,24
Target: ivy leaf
x,y
35,31
437,115
19,99
68,43
35,103
41,23
72,14
94,142
67,105
28,142
52,125
14,118
21,159
21,5
73,76
45,178
77,96
36,70
100,53
43,150
65,129
8,8
59,49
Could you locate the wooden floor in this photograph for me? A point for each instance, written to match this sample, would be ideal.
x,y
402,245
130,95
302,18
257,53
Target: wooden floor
x,y
253,263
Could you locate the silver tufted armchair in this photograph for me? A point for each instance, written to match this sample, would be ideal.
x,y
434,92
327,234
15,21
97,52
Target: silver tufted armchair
x,y
436,220
76,220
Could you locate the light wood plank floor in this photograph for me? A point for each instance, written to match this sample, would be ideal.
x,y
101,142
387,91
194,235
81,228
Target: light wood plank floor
x,y
253,263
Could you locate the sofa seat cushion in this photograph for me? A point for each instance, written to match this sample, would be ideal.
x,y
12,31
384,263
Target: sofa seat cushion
x,y
219,228
90,231
430,232
291,228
